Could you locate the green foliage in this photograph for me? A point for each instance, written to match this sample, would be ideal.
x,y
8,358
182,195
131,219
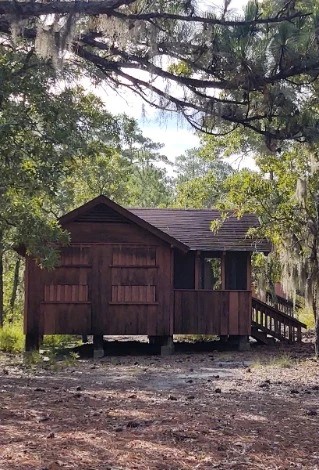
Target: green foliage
x,y
305,315
125,168
43,128
182,69
266,271
12,338
60,341
199,178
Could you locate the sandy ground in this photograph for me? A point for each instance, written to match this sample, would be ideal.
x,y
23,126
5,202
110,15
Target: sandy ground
x,y
194,410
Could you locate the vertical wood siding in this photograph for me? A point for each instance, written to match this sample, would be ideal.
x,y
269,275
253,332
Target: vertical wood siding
x,y
212,312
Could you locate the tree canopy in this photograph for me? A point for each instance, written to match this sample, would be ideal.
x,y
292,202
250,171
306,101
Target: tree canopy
x,y
221,69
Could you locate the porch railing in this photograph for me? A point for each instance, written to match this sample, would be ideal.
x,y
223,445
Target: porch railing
x,y
220,312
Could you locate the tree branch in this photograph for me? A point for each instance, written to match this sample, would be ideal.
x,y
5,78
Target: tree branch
x,y
34,9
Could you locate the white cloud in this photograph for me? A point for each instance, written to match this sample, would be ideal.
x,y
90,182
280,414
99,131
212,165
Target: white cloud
x,y
176,139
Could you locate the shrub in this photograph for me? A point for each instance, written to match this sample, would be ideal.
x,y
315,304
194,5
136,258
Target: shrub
x,y
12,338
305,315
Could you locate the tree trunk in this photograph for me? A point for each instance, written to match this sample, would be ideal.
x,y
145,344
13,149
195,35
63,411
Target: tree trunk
x,y
1,286
315,311
317,337
16,278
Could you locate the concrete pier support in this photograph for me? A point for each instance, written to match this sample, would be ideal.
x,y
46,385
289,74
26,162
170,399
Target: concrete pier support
x,y
165,343
98,349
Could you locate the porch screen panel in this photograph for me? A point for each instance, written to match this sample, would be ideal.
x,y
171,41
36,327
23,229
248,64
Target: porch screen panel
x,y
236,271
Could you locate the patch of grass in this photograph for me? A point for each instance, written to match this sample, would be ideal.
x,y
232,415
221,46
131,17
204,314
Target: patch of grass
x,y
32,358
283,361
195,338
305,315
12,338
50,360
60,341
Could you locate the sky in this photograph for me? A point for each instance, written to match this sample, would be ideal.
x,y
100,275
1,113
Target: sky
x,y
173,132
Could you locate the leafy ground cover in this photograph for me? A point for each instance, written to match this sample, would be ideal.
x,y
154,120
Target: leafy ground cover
x,y
194,410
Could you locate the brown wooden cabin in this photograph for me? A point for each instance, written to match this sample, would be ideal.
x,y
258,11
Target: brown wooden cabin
x,y
144,272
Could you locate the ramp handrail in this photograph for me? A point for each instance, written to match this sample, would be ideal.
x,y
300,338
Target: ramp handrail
x,y
276,323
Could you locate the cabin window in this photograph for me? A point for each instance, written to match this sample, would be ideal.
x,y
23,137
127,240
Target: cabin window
x,y
184,270
236,271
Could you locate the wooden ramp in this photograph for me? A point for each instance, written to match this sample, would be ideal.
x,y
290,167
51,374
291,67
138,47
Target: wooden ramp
x,y
270,324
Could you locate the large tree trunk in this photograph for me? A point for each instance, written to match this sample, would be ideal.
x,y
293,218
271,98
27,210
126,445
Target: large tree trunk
x,y
316,334
317,338
315,311
1,286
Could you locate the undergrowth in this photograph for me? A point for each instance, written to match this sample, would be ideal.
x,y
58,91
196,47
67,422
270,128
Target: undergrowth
x,y
54,349
12,338
60,341
305,315
50,360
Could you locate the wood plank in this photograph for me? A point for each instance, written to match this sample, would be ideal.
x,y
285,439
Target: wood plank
x,y
66,318
34,293
66,275
101,287
131,320
233,326
207,312
133,276
171,291
164,288
87,233
224,315
244,320
177,311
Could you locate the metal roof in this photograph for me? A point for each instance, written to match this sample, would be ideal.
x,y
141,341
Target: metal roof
x,y
192,228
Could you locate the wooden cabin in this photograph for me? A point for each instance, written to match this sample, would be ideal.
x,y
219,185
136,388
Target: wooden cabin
x,y
154,272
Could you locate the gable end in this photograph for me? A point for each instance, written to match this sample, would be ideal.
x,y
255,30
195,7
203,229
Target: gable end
x,y
102,214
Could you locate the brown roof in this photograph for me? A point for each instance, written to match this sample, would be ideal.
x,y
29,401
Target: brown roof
x,y
192,228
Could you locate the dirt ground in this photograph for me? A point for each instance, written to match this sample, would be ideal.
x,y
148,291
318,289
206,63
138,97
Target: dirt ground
x,y
194,410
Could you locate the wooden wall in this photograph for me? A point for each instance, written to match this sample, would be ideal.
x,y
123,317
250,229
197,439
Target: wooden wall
x,y
212,312
115,278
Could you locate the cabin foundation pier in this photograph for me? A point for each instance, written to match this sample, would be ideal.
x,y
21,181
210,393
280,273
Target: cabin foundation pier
x,y
32,342
243,343
98,347
165,343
